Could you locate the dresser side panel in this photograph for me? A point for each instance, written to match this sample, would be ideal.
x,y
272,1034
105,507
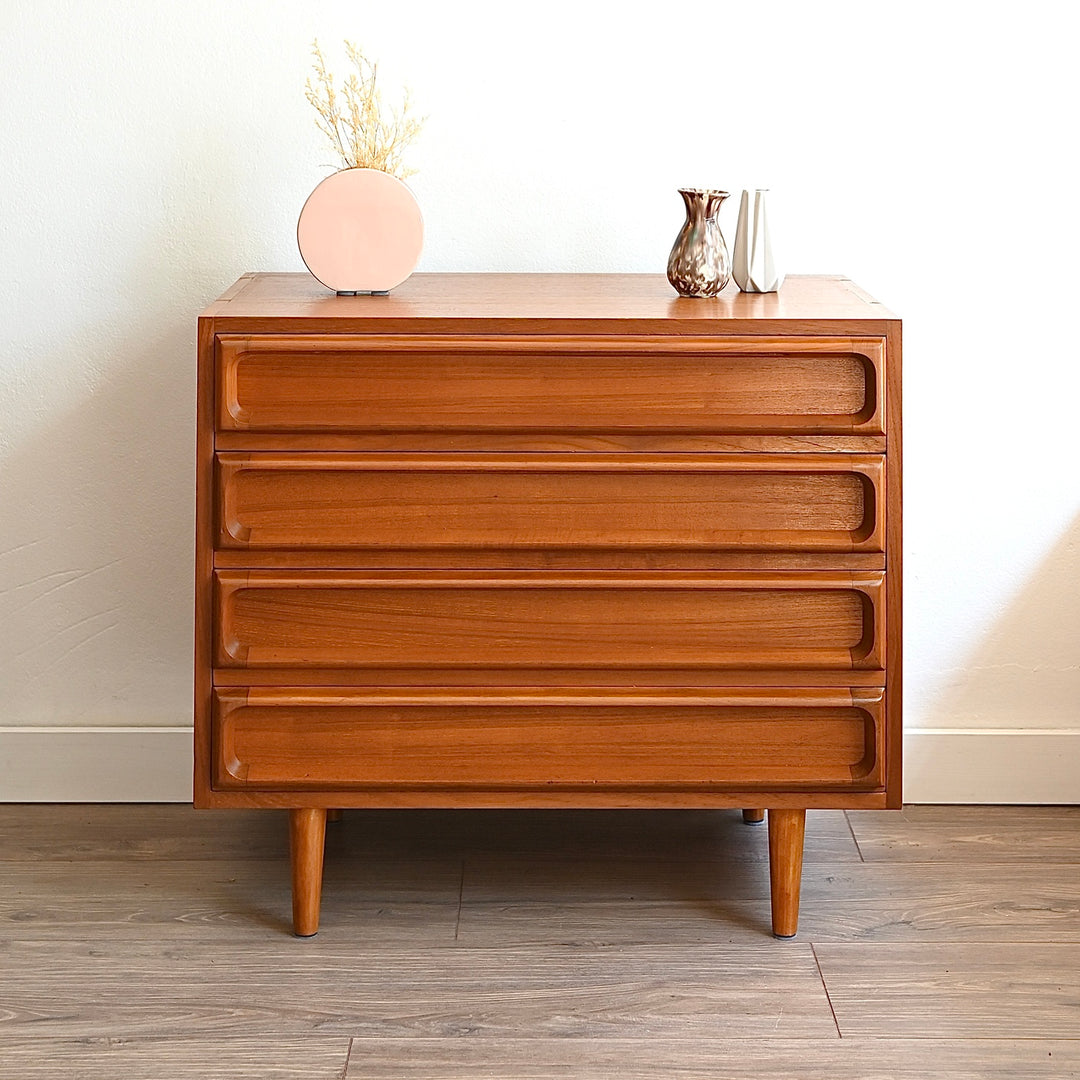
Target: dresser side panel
x,y
204,559
894,580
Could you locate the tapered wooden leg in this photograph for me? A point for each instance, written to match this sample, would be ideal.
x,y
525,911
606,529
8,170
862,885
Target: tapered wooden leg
x,y
753,817
307,833
786,829
333,815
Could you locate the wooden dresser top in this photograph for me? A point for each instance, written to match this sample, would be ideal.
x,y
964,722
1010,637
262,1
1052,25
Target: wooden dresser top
x,y
546,303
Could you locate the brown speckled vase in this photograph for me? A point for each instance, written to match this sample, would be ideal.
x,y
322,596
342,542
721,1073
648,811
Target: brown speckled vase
x,y
699,264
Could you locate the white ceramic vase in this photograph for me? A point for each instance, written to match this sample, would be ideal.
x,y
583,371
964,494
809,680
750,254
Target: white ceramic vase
x,y
754,269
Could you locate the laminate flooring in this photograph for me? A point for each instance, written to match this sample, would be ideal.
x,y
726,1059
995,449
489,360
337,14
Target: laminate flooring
x,y
153,942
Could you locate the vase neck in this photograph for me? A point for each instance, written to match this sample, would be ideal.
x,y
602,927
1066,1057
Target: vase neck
x,y
702,203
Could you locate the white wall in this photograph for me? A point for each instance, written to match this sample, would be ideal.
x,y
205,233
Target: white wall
x,y
151,153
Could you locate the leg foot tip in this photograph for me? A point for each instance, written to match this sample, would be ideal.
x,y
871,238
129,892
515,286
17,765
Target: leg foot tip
x,y
784,937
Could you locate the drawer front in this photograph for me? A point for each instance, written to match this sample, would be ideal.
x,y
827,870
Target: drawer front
x,y
758,502
336,737
537,620
363,384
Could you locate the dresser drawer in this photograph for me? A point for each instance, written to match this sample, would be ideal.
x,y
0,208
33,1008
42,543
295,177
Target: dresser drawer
x,y
290,738
626,384
535,620
754,502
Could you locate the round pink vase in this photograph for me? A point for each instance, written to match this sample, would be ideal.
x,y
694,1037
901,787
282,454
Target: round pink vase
x,y
361,231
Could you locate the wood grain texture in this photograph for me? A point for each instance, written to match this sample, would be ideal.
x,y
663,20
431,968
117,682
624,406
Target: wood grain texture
x,y
238,1057
969,834
376,899
164,833
856,679
744,921
954,897
340,986
204,545
894,582
478,621
538,900
582,558
589,943
136,833
786,829
307,833
555,442
732,1059
1014,990
684,836
548,303
670,503
447,797
621,384
333,737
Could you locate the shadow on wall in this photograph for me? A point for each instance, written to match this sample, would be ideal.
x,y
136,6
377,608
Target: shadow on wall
x,y
1026,671
97,532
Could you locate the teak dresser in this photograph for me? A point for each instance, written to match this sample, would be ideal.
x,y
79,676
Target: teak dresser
x,y
547,541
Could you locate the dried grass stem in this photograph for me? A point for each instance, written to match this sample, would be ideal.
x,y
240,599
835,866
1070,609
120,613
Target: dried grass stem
x,y
360,131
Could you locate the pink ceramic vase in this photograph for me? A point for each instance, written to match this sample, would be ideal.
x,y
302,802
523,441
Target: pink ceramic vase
x,y
361,231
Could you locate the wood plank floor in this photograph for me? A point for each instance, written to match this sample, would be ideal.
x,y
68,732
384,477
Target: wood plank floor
x,y
153,941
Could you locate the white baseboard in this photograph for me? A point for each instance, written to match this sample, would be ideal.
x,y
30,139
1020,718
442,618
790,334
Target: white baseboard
x,y
941,765
95,764
992,765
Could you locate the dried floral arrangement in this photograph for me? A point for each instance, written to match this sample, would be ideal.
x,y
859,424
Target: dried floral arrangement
x,y
360,130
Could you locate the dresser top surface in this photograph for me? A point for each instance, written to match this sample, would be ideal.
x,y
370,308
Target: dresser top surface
x,y
536,302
